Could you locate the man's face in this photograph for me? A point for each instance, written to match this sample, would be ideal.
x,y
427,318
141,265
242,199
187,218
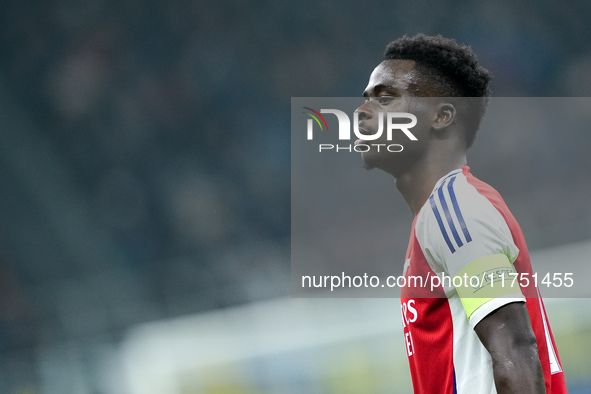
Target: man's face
x,y
394,86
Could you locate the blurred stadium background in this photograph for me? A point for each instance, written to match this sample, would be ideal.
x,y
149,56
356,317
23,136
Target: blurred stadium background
x,y
145,188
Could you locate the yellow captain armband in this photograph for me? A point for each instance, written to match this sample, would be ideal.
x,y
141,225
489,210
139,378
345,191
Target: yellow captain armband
x,y
485,279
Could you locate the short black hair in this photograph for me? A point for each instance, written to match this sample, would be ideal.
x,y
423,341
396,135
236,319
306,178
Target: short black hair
x,y
451,69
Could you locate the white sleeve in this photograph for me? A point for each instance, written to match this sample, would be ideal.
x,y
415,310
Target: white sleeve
x,y
459,226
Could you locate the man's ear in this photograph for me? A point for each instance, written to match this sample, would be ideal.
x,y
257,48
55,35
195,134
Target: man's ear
x,y
444,116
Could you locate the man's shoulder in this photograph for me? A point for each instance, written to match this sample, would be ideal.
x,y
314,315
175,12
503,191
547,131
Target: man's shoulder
x,y
456,197
461,209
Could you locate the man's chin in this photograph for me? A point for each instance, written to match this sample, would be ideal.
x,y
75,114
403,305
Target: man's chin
x,y
368,166
386,164
369,162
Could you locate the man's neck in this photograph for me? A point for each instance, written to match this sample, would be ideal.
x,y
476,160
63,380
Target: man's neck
x,y
417,184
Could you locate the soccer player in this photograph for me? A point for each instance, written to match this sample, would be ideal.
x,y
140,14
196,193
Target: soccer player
x,y
496,340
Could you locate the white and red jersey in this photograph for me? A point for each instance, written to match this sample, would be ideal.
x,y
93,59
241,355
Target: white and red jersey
x,y
464,220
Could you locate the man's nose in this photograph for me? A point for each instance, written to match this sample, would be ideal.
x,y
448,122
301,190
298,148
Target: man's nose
x,y
364,112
